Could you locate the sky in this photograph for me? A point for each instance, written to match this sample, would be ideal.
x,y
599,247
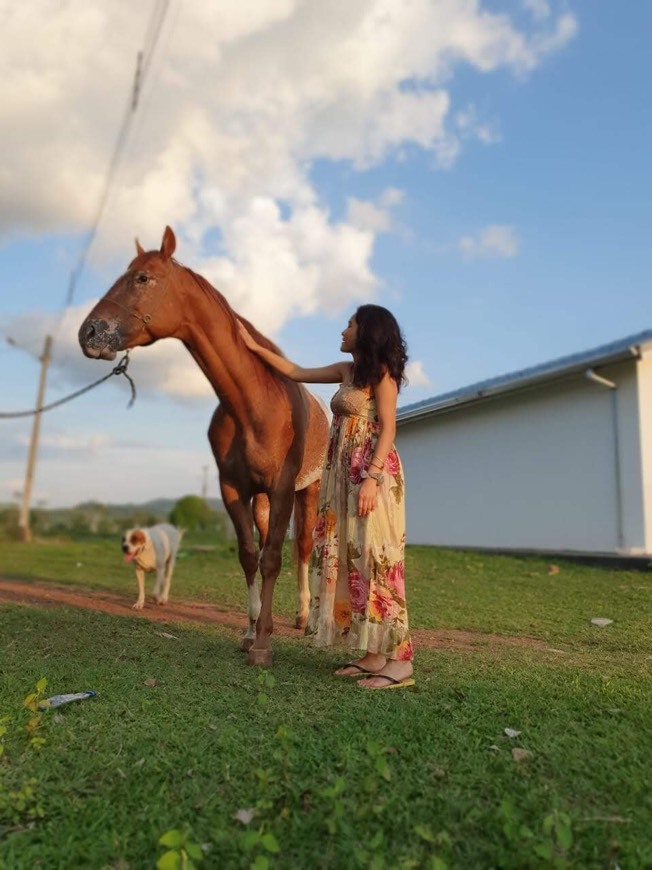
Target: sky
x,y
481,168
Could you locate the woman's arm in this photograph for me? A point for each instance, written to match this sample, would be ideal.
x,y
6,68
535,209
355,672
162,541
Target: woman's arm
x,y
332,374
386,394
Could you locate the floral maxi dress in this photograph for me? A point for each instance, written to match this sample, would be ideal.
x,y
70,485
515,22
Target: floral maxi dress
x,y
357,580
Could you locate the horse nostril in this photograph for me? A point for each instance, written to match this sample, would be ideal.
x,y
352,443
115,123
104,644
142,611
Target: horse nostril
x,y
87,333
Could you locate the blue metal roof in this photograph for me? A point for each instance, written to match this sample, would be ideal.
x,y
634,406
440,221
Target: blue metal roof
x,y
617,350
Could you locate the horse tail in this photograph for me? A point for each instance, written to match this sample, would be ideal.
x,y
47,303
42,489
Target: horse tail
x,y
296,526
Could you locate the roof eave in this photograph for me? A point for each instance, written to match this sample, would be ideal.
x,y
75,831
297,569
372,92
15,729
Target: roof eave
x,y
517,385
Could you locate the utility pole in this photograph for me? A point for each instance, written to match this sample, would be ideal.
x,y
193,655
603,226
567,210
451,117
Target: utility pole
x,y
204,484
23,520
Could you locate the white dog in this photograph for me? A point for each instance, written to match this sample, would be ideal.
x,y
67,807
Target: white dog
x,y
152,549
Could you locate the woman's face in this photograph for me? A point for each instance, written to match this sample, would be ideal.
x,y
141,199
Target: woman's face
x,y
349,336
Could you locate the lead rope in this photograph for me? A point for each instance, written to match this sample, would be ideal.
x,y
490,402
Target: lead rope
x,y
119,369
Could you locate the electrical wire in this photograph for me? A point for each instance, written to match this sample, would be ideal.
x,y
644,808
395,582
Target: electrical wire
x,y
143,62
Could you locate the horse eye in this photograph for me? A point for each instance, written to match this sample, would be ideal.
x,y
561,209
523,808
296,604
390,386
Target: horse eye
x,y
142,278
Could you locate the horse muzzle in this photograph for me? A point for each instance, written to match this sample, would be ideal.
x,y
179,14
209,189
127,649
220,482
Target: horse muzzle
x,y
98,340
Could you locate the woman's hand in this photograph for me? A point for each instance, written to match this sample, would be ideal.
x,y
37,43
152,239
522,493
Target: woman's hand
x,y
333,374
367,496
246,336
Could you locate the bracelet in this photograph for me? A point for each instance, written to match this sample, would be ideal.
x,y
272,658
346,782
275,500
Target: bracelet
x,y
379,478
375,461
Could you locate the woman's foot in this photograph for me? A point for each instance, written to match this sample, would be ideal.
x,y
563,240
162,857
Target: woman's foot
x,y
398,671
369,663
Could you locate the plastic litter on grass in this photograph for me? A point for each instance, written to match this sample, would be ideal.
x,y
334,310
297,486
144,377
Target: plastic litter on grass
x,y
60,700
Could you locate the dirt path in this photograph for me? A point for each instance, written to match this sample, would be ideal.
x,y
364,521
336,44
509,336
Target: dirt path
x,y
42,594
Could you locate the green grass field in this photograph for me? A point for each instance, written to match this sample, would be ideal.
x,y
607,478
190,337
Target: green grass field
x,y
293,768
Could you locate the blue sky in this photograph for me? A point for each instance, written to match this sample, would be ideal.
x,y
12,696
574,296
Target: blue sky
x,y
482,169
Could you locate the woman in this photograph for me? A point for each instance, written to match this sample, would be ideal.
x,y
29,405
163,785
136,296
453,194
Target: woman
x,y
357,579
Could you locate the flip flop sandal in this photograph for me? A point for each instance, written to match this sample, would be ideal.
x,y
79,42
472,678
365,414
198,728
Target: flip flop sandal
x,y
361,672
392,682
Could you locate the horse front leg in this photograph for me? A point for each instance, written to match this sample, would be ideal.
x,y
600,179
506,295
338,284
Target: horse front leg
x,y
239,510
280,509
305,517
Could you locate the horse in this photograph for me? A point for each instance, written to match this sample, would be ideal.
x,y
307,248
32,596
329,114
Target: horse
x,y
268,434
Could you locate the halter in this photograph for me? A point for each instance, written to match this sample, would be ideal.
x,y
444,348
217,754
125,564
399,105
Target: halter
x,y
145,318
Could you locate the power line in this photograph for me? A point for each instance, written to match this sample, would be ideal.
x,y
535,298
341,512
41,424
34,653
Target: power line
x,y
154,32
143,61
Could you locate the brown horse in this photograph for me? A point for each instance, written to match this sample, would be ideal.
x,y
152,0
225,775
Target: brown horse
x,y
268,434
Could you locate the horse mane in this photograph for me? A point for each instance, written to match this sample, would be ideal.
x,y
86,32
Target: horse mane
x,y
214,294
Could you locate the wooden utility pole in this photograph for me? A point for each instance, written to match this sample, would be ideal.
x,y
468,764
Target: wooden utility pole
x,y
23,520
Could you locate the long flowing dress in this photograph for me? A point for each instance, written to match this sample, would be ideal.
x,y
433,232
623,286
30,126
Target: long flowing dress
x,y
357,580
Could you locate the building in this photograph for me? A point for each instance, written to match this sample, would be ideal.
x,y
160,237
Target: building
x,y
554,458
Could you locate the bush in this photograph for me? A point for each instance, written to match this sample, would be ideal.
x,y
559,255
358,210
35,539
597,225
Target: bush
x,y
9,523
192,513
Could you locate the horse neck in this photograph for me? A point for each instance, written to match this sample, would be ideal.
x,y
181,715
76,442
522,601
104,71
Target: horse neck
x,y
210,336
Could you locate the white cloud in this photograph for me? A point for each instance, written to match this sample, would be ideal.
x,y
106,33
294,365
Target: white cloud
x,y
277,268
377,218
416,375
391,196
470,126
366,215
494,241
243,98
65,443
564,30
539,9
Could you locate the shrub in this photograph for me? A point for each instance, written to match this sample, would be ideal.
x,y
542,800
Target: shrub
x,y
192,513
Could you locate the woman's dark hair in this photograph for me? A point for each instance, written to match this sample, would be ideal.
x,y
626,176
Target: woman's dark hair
x,y
379,346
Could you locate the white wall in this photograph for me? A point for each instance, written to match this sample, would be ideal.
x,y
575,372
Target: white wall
x,y
645,414
532,470
626,376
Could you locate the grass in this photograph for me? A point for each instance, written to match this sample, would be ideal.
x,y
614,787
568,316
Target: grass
x,y
447,588
336,777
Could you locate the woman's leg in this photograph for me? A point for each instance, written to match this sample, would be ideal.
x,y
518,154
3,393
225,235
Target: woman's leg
x,y
371,662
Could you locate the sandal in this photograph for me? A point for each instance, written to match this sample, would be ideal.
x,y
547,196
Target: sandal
x,y
361,672
392,682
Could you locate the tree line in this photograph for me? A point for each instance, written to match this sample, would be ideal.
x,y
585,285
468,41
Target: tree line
x,y
191,513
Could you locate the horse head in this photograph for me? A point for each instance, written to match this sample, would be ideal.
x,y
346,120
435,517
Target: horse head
x,y
138,309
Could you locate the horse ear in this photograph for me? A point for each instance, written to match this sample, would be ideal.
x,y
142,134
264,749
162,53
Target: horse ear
x,y
169,243
139,248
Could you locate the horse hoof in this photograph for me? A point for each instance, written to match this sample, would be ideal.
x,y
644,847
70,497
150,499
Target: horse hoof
x,y
301,622
260,658
247,643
